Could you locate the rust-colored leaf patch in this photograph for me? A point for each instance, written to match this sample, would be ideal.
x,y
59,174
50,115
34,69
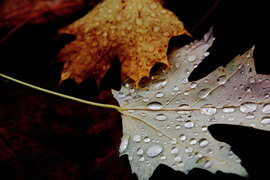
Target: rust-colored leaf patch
x,y
136,32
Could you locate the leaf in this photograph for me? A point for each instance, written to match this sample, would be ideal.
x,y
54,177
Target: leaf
x,y
167,121
136,32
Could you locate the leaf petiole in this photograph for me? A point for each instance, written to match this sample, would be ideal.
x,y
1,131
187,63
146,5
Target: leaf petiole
x,y
119,109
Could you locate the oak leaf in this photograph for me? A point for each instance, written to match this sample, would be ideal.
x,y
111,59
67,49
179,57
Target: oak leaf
x,y
136,32
167,121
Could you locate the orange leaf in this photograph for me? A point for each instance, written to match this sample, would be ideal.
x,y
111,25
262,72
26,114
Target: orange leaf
x,y
136,32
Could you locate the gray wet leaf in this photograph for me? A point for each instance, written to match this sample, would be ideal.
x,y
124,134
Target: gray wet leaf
x,y
169,124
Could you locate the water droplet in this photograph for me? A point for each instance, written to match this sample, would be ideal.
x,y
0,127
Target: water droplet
x,y
221,80
204,128
146,99
173,141
130,158
160,84
204,93
208,111
184,109
140,152
121,95
185,80
159,95
192,58
178,159
189,124
139,21
153,6
143,114
193,85
124,143
207,164
206,54
182,137
188,149
154,106
162,157
141,159
146,139
137,138
250,116
210,151
203,142
163,11
179,119
174,150
193,141
176,88
266,108
154,150
161,117
177,127
166,34
128,97
228,109
248,107
265,120
251,80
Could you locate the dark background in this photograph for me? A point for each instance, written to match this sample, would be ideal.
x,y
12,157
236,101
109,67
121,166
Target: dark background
x,y
46,137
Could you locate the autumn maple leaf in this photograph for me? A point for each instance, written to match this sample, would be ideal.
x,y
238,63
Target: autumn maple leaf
x,y
136,32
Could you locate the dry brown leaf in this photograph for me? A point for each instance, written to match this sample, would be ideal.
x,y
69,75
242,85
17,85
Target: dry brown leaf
x,y
136,32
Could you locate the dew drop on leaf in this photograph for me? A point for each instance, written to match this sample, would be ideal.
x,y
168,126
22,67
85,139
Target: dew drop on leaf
x,y
208,111
183,109
222,80
154,150
266,108
137,138
208,164
203,142
188,149
140,151
176,88
162,157
193,141
124,143
179,119
160,84
193,85
141,159
174,150
265,120
143,114
178,159
204,93
189,124
250,116
228,109
121,95
146,139
192,58
248,107
161,117
159,95
182,137
154,106
204,128
251,80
